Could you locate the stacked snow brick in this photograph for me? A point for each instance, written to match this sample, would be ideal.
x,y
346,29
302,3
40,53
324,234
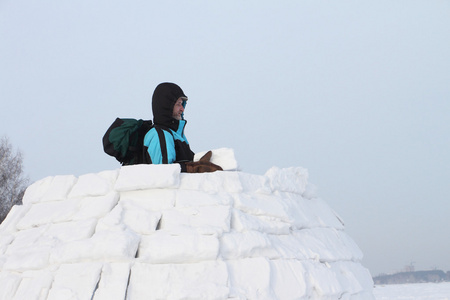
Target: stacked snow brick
x,y
151,232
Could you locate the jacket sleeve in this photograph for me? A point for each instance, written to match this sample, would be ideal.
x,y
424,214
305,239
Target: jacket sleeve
x,y
161,146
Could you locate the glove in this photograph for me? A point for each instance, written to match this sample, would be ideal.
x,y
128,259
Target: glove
x,y
203,165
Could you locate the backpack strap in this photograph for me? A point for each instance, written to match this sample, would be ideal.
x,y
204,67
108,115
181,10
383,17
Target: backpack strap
x,y
162,141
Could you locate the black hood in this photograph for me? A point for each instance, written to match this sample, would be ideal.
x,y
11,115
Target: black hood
x,y
163,100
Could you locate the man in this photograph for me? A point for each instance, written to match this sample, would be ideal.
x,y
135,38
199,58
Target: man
x,y
166,143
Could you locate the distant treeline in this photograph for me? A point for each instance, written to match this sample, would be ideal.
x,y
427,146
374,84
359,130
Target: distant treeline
x,y
413,277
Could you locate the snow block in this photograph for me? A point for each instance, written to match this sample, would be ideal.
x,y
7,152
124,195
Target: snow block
x,y
288,246
35,259
9,282
16,213
24,240
54,188
96,207
59,188
288,279
37,190
106,245
75,281
262,205
245,222
49,212
161,247
327,245
203,219
5,241
255,183
205,280
113,282
223,157
188,198
153,200
211,183
235,245
94,184
250,278
34,285
141,177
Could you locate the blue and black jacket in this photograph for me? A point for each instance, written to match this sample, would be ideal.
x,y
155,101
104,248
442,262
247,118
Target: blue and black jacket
x,y
166,143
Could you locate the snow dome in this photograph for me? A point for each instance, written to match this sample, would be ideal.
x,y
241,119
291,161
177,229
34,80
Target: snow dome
x,y
151,232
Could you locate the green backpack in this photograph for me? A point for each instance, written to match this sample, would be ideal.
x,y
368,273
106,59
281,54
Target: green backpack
x,y
124,140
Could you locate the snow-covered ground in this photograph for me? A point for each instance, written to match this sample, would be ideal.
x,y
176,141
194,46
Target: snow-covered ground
x,y
416,291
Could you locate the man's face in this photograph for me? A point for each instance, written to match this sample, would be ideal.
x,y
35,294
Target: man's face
x,y
178,109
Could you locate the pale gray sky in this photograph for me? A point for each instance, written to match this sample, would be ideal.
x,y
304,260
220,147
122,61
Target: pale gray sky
x,y
357,92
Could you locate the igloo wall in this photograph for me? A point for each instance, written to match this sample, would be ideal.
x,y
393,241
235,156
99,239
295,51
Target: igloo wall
x,y
151,232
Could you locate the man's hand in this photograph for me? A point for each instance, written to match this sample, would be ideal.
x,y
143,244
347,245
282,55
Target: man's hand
x,y
203,165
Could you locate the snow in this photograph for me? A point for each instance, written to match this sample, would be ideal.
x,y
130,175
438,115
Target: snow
x,y
151,232
416,291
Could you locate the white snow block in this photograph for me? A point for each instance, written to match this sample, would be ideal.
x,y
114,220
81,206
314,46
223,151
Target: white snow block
x,y
223,157
59,188
9,282
68,231
94,184
292,179
328,244
16,213
288,247
299,211
250,278
5,241
34,285
140,177
54,188
25,239
162,247
153,200
354,278
322,280
96,207
31,249
306,213
107,245
288,279
134,217
140,220
313,247
203,219
37,190
245,222
113,220
205,280
255,183
187,198
261,205
211,183
236,245
33,259
113,282
49,212
75,281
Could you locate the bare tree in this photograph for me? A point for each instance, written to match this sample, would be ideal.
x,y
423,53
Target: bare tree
x,y
12,181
